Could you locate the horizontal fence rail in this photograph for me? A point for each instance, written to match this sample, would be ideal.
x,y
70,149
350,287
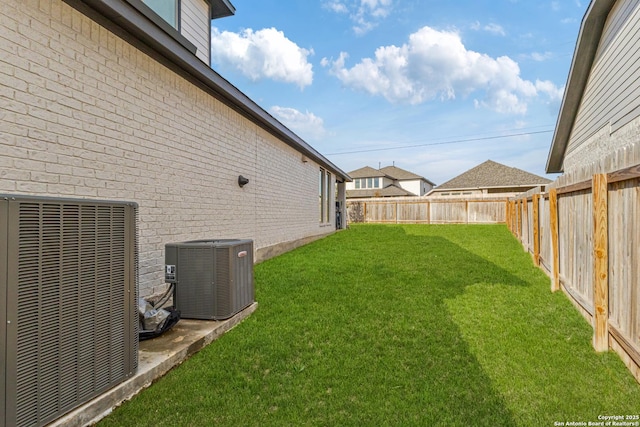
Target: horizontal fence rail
x,y
586,237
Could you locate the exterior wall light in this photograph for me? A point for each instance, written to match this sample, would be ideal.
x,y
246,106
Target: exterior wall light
x,y
242,181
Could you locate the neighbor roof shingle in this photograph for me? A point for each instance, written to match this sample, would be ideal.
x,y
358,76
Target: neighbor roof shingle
x,y
392,172
390,191
366,172
491,174
401,174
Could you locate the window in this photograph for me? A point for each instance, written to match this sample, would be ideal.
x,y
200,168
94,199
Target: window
x,y
325,196
363,183
328,197
166,9
321,194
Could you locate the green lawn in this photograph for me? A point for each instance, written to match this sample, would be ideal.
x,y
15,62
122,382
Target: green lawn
x,y
401,326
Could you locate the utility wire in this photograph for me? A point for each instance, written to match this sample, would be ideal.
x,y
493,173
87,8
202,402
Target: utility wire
x,y
458,141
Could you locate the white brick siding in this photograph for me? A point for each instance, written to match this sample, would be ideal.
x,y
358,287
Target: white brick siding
x,y
85,114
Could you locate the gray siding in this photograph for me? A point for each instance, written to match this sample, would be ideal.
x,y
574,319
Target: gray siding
x,y
612,95
195,26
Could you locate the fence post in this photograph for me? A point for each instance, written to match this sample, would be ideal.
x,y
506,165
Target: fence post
x,y
428,212
600,263
466,209
519,226
536,229
525,215
397,216
506,214
555,247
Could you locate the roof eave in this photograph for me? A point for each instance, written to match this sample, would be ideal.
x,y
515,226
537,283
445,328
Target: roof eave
x,y
221,9
583,57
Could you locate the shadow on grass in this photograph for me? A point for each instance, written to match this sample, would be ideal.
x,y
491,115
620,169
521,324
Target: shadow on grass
x,y
390,338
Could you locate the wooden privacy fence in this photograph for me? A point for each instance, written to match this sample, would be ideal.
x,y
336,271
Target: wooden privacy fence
x,y
428,211
586,236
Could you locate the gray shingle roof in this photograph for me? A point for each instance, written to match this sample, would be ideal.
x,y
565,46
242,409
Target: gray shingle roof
x,y
389,191
491,174
397,173
401,174
392,172
366,172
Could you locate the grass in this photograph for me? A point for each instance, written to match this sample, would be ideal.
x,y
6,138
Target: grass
x,y
397,325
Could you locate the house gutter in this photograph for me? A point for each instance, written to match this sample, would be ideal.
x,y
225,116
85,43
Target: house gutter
x,y
135,28
583,58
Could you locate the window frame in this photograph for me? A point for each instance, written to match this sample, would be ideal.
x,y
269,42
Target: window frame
x,y
321,194
176,11
324,198
164,25
328,197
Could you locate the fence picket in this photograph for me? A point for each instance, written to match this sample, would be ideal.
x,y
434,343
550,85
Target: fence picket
x,y
589,236
601,263
428,211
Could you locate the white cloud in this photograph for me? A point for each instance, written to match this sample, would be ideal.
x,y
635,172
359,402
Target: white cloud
x,y
540,57
495,29
492,28
265,53
365,14
307,124
436,65
376,8
554,93
336,6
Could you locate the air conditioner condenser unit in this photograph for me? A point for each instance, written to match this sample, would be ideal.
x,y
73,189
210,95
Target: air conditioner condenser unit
x,y
68,291
213,278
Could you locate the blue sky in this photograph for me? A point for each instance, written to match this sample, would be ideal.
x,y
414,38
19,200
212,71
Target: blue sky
x,y
434,87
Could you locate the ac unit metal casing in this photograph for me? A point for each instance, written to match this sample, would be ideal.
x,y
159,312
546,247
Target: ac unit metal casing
x,y
68,316
213,278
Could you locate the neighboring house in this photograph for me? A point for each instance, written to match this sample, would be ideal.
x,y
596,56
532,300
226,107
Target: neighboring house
x,y
489,179
115,99
600,113
390,181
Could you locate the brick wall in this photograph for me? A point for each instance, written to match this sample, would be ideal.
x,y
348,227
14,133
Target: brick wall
x,y
85,114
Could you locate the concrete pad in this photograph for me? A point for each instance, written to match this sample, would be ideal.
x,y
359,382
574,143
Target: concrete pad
x,y
155,358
